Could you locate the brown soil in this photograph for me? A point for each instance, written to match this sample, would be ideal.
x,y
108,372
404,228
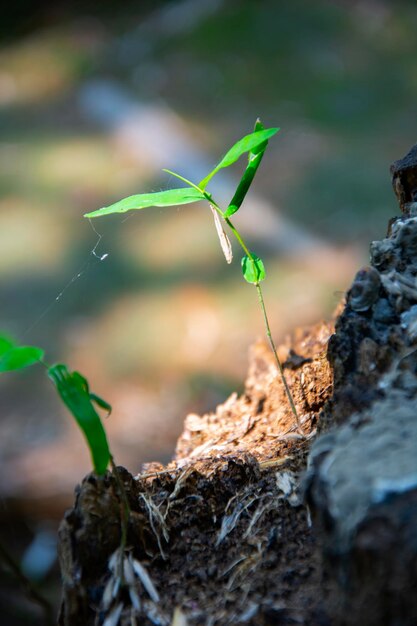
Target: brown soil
x,y
222,530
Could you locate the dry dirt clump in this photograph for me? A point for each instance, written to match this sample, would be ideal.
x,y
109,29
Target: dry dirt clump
x,y
259,421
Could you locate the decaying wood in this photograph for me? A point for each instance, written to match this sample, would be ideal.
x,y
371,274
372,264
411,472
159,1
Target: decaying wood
x,y
363,475
223,534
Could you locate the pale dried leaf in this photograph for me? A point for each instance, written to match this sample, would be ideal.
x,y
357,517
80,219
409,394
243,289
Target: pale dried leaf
x,y
108,594
225,244
116,587
114,560
113,618
134,598
145,580
128,572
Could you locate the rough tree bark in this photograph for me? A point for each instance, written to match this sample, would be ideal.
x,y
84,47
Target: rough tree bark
x,y
363,474
235,529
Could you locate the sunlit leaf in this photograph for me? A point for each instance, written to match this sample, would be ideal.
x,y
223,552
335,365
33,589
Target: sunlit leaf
x,y
254,159
261,147
244,184
225,244
18,357
249,143
170,197
74,392
253,269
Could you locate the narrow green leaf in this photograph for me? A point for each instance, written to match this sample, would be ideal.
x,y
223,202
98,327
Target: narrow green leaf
x,y
253,269
246,144
254,159
258,127
244,184
170,197
5,344
74,392
18,357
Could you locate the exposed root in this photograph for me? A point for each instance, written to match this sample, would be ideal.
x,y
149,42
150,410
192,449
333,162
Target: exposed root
x,y
157,523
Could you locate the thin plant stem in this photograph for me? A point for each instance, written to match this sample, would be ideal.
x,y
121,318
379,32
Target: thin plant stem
x,y
277,359
239,238
184,180
265,317
28,586
246,250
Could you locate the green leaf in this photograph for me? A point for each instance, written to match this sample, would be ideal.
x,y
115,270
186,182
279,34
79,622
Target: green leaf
x,y
101,403
254,160
253,269
83,383
170,197
5,344
18,357
246,144
258,126
74,392
244,184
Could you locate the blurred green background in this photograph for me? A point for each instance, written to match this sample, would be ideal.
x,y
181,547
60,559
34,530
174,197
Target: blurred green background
x,y
95,98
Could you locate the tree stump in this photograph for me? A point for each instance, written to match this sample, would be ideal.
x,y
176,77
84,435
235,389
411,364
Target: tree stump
x,y
362,480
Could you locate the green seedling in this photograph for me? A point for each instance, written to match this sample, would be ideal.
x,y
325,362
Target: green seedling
x,y
253,267
73,390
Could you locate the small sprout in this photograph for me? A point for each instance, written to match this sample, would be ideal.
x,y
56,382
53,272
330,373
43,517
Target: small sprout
x,y
253,268
74,392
